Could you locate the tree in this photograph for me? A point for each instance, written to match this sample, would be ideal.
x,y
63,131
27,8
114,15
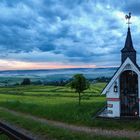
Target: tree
x,y
26,81
79,83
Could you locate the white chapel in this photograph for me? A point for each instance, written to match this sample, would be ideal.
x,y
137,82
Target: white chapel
x,y
123,90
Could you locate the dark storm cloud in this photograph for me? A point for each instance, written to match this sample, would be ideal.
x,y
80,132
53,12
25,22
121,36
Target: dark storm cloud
x,y
132,6
71,31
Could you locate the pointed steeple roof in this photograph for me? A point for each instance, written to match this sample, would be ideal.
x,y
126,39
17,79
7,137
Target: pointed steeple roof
x,y
128,50
128,43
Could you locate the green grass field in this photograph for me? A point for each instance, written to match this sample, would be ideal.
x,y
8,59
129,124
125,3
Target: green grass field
x,y
49,132
56,103
61,104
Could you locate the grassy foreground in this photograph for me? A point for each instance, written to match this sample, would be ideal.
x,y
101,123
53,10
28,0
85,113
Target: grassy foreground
x,y
61,104
49,132
55,103
4,137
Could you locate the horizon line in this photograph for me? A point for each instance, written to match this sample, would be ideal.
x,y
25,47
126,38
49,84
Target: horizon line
x,y
59,68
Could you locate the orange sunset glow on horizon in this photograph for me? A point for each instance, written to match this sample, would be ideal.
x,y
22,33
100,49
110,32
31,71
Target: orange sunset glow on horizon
x,y
20,65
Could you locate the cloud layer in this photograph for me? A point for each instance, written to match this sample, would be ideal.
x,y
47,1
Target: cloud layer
x,y
73,33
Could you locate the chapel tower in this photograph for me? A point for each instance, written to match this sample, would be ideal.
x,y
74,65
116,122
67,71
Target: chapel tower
x,y
128,50
123,90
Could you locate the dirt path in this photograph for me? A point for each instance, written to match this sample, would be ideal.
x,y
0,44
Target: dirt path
x,y
84,129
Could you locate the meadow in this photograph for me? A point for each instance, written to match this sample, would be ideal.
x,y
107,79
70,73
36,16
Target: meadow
x,y
59,103
51,102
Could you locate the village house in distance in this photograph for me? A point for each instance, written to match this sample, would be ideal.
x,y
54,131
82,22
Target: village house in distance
x,y
123,90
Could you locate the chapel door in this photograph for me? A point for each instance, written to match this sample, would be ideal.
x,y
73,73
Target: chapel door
x,y
129,102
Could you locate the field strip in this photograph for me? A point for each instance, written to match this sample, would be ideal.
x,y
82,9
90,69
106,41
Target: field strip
x,y
84,129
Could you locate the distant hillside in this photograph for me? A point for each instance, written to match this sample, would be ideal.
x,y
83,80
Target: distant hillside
x,y
16,76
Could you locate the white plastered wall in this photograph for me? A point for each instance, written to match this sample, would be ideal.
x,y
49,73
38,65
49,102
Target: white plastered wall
x,y
114,111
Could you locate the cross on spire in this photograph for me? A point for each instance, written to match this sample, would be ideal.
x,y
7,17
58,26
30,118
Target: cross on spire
x,y
128,17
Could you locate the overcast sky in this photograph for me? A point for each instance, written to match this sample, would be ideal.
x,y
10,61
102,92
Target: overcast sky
x,y
38,34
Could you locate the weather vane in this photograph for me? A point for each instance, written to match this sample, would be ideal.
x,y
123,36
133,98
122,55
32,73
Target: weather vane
x,y
128,19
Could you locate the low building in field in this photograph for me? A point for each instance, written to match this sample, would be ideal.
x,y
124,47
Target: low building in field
x,y
123,90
